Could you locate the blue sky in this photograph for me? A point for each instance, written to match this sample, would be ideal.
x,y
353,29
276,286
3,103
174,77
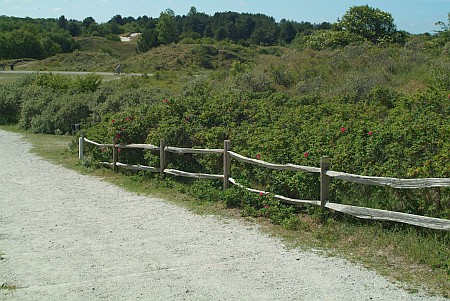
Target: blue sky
x,y
415,16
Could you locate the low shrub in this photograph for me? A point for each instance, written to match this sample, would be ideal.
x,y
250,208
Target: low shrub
x,y
10,104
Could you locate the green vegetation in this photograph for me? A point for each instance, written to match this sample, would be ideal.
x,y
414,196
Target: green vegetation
x,y
36,39
43,38
416,257
375,100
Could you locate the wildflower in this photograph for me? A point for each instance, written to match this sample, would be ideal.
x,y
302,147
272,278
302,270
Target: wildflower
x,y
261,193
258,156
266,207
306,154
370,133
165,100
118,150
113,121
343,130
117,136
127,119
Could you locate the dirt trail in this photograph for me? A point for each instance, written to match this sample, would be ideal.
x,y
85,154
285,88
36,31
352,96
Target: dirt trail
x,y
67,236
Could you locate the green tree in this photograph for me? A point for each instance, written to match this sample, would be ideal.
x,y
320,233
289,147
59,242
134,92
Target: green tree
x,y
166,27
443,35
25,44
147,40
266,31
369,23
195,21
245,25
74,28
287,31
62,22
221,33
88,22
117,19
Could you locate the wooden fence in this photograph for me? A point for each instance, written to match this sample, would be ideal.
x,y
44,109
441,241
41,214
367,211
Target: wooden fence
x,y
323,170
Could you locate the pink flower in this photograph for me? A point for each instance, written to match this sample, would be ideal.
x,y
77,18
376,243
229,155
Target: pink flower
x,y
118,150
370,133
261,193
117,136
266,207
306,154
343,130
113,121
165,100
258,156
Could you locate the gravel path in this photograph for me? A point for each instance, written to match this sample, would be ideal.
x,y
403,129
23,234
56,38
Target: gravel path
x,y
67,236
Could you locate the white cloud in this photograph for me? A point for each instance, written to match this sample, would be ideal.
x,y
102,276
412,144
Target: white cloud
x,y
243,3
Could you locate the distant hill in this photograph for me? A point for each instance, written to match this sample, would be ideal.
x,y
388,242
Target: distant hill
x,y
100,54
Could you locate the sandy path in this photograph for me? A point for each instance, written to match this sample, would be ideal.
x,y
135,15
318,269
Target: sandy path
x,y
67,236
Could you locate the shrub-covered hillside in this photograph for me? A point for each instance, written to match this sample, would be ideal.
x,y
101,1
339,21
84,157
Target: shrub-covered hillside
x,y
377,103
374,110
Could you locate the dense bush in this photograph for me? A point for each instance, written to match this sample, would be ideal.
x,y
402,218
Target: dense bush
x,y
351,108
387,134
10,104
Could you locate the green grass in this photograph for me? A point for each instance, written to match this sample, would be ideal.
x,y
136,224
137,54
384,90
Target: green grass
x,y
415,257
9,78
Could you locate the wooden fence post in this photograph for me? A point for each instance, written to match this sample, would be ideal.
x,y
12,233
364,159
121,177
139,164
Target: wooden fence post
x,y
324,181
162,156
81,146
115,155
226,164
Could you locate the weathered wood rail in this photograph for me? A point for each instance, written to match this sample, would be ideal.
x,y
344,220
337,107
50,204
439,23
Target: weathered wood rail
x,y
323,170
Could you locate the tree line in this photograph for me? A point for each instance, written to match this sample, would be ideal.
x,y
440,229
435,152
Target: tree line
x,y
33,38
41,38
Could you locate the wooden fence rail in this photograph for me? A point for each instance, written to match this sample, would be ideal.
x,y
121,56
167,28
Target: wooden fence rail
x,y
273,166
323,170
392,182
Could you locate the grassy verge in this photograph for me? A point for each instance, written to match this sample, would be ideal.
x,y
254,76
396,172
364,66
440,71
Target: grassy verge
x,y
9,78
417,258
